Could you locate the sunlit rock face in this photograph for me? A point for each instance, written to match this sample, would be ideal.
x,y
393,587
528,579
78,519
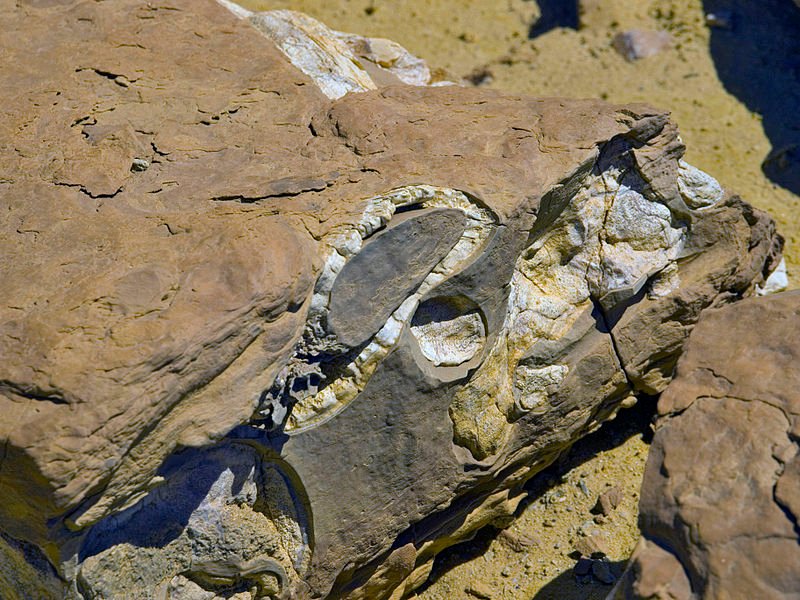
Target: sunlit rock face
x,y
721,489
261,342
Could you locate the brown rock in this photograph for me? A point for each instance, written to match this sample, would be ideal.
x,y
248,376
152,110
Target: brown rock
x,y
657,574
518,542
636,44
608,501
592,546
721,485
479,590
178,411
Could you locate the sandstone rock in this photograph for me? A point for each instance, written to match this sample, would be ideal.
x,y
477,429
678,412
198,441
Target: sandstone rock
x,y
640,43
193,407
592,546
719,507
608,501
479,590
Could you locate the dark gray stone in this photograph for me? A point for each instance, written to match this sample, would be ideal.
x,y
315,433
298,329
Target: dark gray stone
x,y
388,269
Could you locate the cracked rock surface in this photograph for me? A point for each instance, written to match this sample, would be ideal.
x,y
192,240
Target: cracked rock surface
x,y
719,507
264,340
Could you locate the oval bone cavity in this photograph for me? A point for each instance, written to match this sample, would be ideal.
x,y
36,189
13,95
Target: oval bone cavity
x,y
449,330
388,270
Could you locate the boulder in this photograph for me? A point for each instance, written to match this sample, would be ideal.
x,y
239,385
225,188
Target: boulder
x,y
719,507
262,338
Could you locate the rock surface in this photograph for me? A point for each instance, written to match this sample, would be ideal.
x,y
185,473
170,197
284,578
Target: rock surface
x,y
719,508
182,418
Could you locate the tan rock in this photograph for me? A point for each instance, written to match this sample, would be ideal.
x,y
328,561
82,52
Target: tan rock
x,y
719,499
180,208
608,501
637,44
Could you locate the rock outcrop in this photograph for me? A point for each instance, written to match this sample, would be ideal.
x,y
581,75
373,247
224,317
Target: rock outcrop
x,y
259,342
719,508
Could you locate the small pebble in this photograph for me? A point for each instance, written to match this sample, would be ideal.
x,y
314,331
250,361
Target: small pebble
x,y
641,43
593,546
722,19
479,590
608,501
586,527
517,542
139,165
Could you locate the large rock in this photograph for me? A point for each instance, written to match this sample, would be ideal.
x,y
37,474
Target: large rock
x,y
193,404
721,493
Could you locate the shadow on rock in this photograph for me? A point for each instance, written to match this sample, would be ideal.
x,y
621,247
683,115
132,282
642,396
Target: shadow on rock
x,y
757,55
555,13
163,515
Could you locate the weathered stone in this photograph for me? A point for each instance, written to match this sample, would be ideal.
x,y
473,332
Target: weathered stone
x,y
608,501
479,590
592,546
637,44
719,506
182,417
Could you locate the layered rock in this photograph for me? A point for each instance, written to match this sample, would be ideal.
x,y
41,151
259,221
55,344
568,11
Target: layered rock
x,y
260,342
719,506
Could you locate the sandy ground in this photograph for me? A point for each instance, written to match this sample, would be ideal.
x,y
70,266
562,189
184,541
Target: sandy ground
x,y
734,90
